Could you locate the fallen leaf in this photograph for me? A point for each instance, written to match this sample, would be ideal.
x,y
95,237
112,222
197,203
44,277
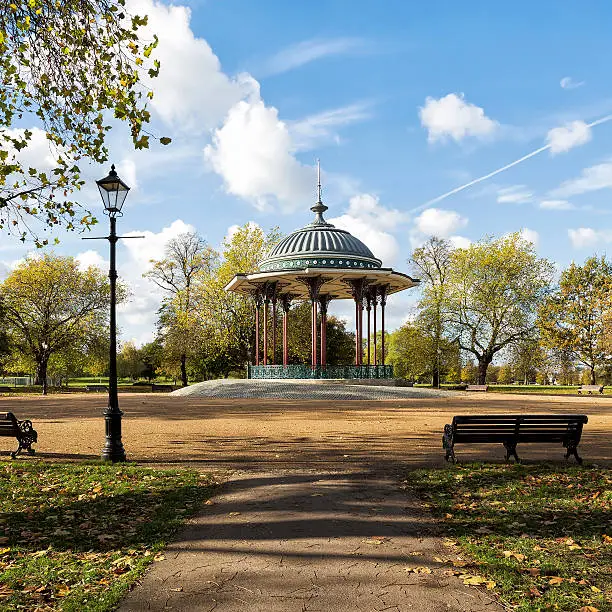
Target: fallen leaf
x,y
555,580
159,557
177,590
418,570
533,571
595,589
607,539
533,592
588,609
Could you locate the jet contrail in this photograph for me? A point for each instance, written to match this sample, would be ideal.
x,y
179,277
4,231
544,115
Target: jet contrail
x,y
502,169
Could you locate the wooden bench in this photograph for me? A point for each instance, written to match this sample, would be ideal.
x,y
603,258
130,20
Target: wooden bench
x,y
477,388
168,388
590,389
22,430
6,390
512,429
96,388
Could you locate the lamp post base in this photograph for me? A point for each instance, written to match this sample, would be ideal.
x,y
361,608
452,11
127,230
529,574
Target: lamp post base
x,y
113,449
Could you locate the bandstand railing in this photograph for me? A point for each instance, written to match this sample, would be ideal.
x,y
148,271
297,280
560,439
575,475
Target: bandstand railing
x,y
302,371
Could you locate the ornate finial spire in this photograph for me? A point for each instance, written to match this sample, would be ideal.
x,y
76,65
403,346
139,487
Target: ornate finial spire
x,y
319,208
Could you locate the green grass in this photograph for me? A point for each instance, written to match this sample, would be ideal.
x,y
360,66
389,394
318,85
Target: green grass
x,y
540,535
76,536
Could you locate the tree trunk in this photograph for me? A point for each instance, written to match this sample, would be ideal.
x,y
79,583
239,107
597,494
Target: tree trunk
x,y
435,379
184,380
593,375
41,374
483,364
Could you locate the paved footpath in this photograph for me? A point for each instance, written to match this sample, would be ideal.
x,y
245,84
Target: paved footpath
x,y
306,541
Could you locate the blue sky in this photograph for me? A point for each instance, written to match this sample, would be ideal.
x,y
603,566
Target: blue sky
x,y
402,101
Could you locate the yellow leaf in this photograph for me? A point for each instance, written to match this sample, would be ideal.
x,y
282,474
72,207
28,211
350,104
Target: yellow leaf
x,y
588,609
607,539
555,580
159,557
595,589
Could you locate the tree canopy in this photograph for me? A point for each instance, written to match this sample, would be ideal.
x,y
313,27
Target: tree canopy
x,y
577,315
494,290
52,306
69,68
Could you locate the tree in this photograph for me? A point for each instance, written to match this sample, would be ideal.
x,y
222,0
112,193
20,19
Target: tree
x,y
5,347
226,319
185,257
526,356
129,362
151,356
493,291
409,352
432,263
52,306
69,66
574,317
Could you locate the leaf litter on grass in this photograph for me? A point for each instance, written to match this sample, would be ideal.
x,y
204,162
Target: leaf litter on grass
x,y
79,541
539,534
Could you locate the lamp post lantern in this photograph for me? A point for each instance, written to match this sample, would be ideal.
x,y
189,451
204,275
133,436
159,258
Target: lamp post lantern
x,y
113,191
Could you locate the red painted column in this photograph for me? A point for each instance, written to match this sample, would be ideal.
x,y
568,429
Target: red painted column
x,y
383,303
265,333
368,309
314,333
323,338
360,333
274,330
356,333
375,339
285,343
257,333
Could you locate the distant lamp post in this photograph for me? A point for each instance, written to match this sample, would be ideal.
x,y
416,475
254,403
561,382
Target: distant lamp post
x,y
113,191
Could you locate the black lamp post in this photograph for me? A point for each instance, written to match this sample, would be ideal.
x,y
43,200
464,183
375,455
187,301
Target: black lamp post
x,y
113,191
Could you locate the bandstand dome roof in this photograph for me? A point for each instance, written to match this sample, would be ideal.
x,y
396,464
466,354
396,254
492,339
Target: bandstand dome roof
x,y
320,250
319,245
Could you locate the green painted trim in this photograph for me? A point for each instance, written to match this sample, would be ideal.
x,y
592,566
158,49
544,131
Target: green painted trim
x,y
302,371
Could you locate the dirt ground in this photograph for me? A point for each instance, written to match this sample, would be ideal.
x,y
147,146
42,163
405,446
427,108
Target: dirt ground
x,y
220,435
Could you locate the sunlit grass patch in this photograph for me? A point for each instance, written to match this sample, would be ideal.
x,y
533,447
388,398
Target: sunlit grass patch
x,y
75,537
542,534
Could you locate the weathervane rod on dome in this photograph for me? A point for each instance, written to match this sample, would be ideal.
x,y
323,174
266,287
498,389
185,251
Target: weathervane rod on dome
x,y
319,208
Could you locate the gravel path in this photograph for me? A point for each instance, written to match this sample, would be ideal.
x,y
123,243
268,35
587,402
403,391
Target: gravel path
x,y
303,389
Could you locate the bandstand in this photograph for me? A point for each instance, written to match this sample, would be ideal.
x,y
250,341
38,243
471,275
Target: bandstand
x,y
320,263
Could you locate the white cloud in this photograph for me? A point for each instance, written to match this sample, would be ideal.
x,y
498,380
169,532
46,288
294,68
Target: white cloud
x,y
315,129
233,229
373,223
556,205
253,152
308,51
569,83
530,236
39,153
88,259
592,179
439,222
574,134
586,237
191,93
517,194
460,242
452,117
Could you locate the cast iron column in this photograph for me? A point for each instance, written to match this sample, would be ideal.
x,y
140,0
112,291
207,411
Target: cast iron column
x,y
274,322
314,284
375,300
257,313
383,303
368,310
324,301
266,301
113,449
286,302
